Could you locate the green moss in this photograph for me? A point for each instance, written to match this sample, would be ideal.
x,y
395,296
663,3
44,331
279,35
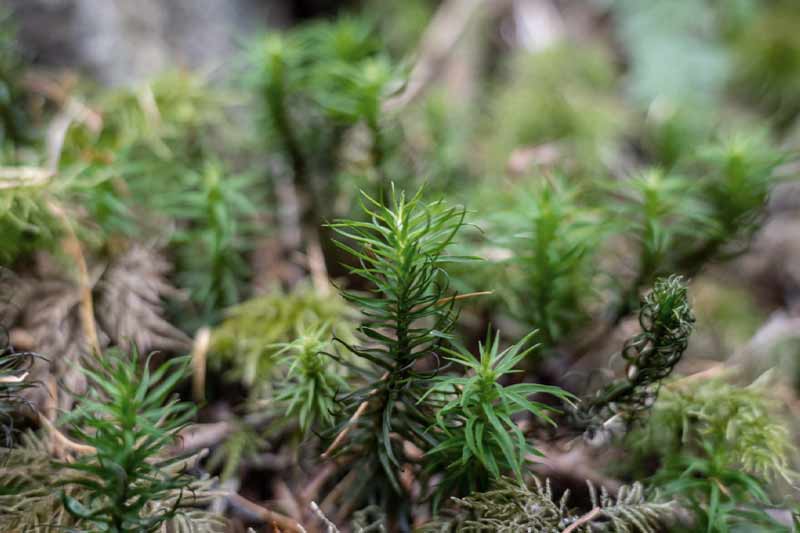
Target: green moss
x,y
565,94
249,338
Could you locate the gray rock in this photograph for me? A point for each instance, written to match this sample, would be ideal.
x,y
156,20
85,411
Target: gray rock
x,y
120,42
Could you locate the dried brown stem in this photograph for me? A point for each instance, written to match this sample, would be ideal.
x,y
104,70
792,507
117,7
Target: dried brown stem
x,y
13,379
73,248
588,517
442,34
343,434
353,419
199,355
267,516
63,441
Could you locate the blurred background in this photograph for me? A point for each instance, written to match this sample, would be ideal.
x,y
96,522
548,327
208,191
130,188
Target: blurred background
x,y
201,145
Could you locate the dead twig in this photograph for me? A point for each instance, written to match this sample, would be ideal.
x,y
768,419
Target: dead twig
x,y
13,379
267,516
63,441
319,514
353,419
588,517
199,355
199,436
446,28
343,434
12,177
316,265
73,248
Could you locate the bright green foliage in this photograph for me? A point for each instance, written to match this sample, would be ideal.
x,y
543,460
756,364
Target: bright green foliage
x,y
26,222
553,240
480,441
671,133
563,93
311,384
156,129
738,177
769,61
215,209
248,339
315,82
401,250
744,421
512,506
667,321
660,213
127,418
152,162
358,96
280,76
720,445
30,504
720,495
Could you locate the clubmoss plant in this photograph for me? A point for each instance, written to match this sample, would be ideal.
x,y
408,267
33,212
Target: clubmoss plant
x,y
127,482
28,475
667,321
479,437
320,85
720,446
312,382
553,241
216,210
408,318
660,211
739,174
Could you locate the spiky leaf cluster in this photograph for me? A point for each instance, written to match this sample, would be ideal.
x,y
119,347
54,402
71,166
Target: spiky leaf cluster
x,y
719,495
30,504
129,422
553,242
479,439
408,317
311,383
739,175
317,83
659,212
215,208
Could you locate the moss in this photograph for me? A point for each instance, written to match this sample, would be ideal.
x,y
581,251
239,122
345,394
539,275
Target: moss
x,y
565,94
